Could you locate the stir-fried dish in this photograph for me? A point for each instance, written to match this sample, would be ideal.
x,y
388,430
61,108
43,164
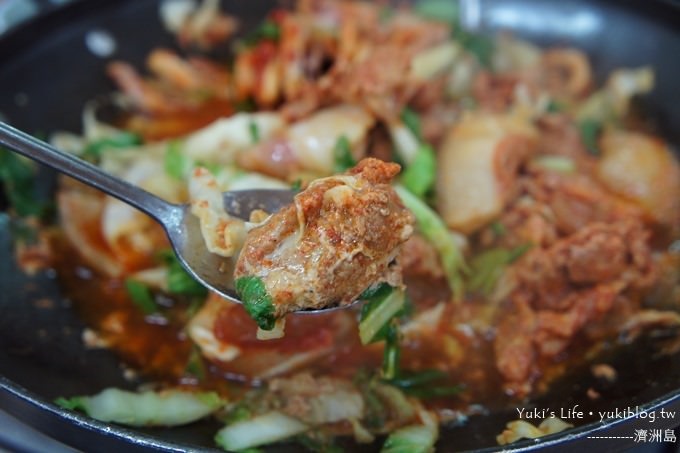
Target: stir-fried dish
x,y
499,211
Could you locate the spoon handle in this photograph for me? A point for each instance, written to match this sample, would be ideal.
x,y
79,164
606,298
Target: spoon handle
x,y
22,143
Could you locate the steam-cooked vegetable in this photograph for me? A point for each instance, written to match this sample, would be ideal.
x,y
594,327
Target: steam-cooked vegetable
x,y
166,408
261,430
434,230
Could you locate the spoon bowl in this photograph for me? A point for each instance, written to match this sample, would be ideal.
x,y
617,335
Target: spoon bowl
x,y
181,226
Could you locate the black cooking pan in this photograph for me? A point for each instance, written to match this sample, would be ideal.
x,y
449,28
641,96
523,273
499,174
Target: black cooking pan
x,y
47,73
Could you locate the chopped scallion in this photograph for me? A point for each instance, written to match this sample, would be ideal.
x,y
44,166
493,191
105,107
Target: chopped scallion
x,y
257,302
195,366
419,176
441,10
412,121
488,267
435,231
268,30
377,314
122,139
342,154
254,130
590,131
175,162
391,353
141,296
179,281
17,174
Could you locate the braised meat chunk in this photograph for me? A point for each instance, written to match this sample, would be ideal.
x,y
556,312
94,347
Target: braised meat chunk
x,y
339,237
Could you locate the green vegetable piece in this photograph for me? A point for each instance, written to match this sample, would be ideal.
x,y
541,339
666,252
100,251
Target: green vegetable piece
x,y
318,443
20,230
166,408
555,106
17,174
391,353
441,10
412,380
419,176
257,302
212,167
261,430
411,439
122,139
590,131
412,121
422,384
498,229
179,280
434,392
176,163
141,296
342,155
238,414
517,252
376,315
376,291
195,366
481,46
488,267
296,186
561,164
435,231
268,30
246,105
254,132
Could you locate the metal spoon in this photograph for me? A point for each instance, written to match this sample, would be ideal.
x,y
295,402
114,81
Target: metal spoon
x,y
182,227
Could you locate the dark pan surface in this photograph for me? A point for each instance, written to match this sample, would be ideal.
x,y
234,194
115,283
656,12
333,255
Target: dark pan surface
x,y
47,74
